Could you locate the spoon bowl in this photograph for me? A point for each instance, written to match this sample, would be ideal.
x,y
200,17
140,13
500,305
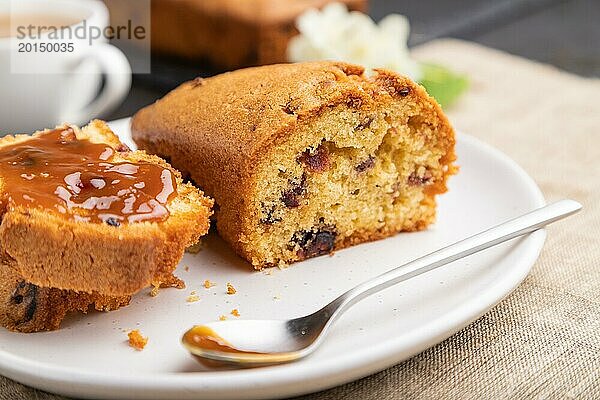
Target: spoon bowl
x,y
268,341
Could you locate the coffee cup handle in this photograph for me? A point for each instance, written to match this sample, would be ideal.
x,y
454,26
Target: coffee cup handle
x,y
117,71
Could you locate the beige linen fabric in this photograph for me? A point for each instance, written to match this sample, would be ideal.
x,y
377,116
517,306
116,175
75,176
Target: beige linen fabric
x,y
543,341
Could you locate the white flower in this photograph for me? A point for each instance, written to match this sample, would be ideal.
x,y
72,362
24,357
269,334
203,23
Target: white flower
x,y
337,34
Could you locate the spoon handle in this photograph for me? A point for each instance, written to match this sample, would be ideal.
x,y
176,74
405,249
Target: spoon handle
x,y
511,229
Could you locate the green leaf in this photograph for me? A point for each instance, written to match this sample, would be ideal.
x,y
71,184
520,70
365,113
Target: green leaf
x,y
443,84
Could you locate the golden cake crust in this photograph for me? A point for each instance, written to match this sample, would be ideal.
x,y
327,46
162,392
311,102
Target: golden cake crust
x,y
217,130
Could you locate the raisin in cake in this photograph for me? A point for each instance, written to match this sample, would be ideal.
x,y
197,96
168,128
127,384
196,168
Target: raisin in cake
x,y
303,159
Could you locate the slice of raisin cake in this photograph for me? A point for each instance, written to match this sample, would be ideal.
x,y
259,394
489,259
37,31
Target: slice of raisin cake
x,y
303,159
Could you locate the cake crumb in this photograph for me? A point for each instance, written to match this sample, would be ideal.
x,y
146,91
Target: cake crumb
x,y
172,282
186,268
231,289
136,340
277,297
208,284
154,291
192,298
235,312
195,248
222,318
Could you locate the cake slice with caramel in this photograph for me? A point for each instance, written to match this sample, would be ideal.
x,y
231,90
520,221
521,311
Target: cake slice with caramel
x,y
86,221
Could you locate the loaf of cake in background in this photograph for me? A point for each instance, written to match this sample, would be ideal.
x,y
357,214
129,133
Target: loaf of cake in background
x,y
227,33
303,159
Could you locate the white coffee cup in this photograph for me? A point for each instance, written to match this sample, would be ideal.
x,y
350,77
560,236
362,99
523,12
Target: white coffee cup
x,y
68,88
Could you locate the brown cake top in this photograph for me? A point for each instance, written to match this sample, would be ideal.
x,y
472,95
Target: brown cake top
x,y
80,180
235,115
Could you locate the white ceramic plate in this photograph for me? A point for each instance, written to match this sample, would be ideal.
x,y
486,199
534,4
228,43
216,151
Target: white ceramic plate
x,y
89,357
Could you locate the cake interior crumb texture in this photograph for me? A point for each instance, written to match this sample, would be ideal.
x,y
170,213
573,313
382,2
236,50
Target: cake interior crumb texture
x,y
347,176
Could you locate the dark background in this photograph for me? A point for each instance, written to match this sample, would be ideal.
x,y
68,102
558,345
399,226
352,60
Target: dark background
x,y
564,33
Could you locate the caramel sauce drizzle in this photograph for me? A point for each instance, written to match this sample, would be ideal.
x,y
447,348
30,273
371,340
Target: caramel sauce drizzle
x,y
78,179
